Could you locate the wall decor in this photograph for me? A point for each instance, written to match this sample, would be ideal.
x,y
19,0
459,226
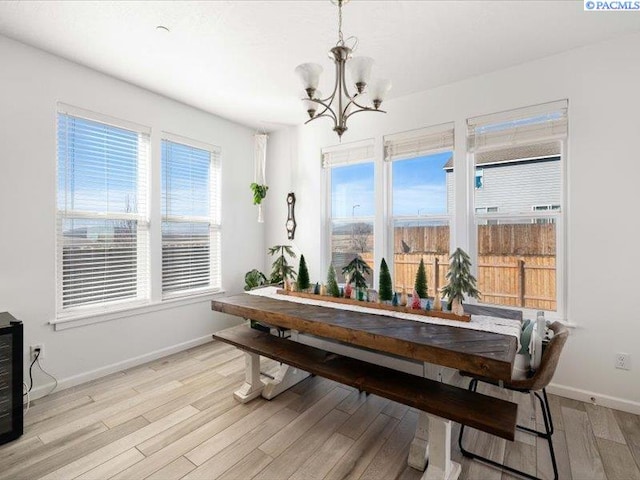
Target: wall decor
x,y
291,219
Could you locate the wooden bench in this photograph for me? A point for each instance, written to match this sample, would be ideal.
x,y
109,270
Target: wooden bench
x,y
489,414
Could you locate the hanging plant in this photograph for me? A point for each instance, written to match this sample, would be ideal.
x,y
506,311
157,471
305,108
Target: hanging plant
x,y
259,192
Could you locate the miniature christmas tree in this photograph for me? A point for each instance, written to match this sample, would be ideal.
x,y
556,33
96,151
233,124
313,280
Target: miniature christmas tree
x,y
332,283
303,275
280,269
357,269
386,289
421,281
461,281
394,301
415,301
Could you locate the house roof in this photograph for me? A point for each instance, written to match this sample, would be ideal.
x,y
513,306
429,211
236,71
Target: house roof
x,y
513,154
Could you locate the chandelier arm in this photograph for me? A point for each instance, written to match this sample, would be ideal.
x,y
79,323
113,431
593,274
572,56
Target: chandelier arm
x,y
318,116
327,107
367,109
353,100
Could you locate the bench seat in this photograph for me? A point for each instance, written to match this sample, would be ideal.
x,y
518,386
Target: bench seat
x,y
489,414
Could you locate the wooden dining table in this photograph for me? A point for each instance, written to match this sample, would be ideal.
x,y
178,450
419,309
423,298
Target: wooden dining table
x,y
477,352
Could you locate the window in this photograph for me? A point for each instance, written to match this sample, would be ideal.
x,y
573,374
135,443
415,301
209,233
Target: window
x,y
351,204
190,218
421,173
479,177
102,227
520,156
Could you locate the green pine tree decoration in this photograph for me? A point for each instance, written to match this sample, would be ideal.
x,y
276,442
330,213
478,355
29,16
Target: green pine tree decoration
x,y
461,281
280,269
421,280
386,287
303,275
332,282
356,270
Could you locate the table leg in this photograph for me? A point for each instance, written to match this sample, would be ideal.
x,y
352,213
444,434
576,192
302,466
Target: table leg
x,y
440,466
253,386
286,377
419,449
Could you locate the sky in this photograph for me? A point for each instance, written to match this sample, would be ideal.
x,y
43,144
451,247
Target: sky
x,y
419,187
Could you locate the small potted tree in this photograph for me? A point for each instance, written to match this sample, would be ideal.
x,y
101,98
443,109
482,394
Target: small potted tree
x,y
420,288
332,283
303,275
460,280
281,271
356,270
385,293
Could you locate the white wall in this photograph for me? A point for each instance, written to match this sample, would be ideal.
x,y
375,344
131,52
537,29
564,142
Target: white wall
x,y
603,258
31,84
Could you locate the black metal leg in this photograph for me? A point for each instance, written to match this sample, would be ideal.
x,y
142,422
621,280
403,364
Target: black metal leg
x,y
548,424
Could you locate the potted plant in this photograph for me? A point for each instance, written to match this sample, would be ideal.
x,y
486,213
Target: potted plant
x,y
356,269
259,193
254,278
420,287
460,280
281,271
332,283
386,288
303,275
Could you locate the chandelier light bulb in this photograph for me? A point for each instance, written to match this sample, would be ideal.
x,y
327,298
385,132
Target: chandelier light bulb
x,y
378,91
310,106
360,71
309,74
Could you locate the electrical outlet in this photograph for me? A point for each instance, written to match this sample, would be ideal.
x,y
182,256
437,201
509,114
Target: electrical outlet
x,y
35,348
623,361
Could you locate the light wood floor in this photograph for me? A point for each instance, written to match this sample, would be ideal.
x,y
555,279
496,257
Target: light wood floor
x,y
176,418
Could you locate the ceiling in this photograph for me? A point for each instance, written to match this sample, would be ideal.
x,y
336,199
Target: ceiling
x,y
236,58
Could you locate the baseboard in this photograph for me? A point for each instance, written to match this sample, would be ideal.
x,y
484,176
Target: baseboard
x,y
595,398
84,377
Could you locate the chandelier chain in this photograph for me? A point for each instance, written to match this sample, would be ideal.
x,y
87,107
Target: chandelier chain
x,y
340,36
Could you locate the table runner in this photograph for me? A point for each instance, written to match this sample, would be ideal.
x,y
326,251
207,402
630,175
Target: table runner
x,y
483,323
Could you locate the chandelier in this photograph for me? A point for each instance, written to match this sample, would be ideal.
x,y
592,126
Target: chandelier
x,y
340,105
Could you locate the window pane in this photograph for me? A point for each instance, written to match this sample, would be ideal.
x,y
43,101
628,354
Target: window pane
x,y
185,180
415,240
99,261
516,180
352,191
517,263
349,239
97,166
352,212
186,250
421,186
186,240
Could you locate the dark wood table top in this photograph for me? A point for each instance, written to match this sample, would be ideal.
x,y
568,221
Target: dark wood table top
x,y
481,353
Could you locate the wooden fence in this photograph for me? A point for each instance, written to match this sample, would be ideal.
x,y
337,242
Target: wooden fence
x,y
521,281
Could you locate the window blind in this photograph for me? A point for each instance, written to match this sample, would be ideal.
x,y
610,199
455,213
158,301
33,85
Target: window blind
x,y
518,127
102,227
417,143
347,154
191,218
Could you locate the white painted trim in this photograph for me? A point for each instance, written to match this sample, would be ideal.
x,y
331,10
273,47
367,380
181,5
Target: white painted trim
x,y
74,111
600,398
97,317
84,377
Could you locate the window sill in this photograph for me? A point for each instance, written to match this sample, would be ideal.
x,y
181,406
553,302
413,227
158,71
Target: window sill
x,y
83,319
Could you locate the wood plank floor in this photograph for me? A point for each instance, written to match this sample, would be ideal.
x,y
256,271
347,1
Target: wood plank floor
x,y
175,418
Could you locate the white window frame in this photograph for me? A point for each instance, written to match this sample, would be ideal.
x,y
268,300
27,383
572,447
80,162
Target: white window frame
x,y
447,132
214,219
143,288
558,216
326,166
